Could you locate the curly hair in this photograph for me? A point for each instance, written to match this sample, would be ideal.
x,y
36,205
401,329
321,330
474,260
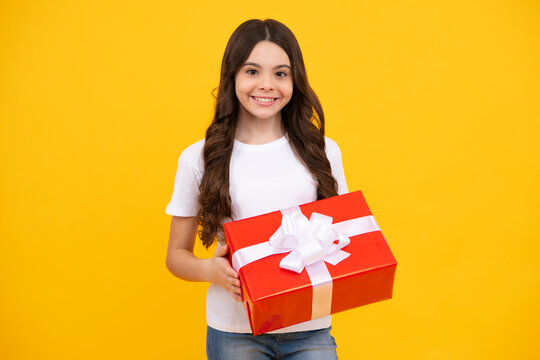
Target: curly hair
x,y
302,117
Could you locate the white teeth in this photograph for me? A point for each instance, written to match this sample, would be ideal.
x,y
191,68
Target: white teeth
x,y
266,100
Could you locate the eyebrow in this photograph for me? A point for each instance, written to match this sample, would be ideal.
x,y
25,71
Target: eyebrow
x,y
259,66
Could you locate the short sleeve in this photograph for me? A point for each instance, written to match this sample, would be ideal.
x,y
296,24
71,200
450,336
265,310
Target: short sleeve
x,y
184,200
334,156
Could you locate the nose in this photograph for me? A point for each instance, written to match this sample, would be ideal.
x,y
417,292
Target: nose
x,y
265,82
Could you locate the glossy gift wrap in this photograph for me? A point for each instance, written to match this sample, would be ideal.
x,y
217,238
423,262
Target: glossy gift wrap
x,y
310,261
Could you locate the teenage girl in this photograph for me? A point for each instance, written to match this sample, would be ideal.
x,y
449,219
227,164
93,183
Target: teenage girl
x,y
264,151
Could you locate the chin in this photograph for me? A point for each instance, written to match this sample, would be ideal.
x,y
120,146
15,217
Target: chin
x,y
264,116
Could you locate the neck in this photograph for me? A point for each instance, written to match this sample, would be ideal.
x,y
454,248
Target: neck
x,y
255,131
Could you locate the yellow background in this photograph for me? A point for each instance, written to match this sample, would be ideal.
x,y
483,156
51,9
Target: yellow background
x,y
435,105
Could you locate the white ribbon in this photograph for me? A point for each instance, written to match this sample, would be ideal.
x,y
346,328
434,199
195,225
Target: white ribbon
x,y
310,244
308,241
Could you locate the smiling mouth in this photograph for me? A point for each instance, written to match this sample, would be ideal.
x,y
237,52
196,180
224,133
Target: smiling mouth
x,y
265,100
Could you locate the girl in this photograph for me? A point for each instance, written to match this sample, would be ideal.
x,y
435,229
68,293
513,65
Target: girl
x,y
265,150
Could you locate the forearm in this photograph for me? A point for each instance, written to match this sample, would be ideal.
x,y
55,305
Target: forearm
x,y
184,264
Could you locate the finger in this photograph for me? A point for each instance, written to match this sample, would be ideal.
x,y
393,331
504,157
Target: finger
x,y
235,282
236,296
231,273
235,289
221,250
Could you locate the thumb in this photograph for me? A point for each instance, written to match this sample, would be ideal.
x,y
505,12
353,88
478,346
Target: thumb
x,y
221,250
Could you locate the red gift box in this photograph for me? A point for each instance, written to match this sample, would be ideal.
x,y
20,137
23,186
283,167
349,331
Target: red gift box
x,y
276,297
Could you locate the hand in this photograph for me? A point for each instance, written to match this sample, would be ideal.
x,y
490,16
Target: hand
x,y
223,274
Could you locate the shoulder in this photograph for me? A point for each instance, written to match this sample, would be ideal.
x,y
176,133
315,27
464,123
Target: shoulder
x,y
193,155
194,150
332,148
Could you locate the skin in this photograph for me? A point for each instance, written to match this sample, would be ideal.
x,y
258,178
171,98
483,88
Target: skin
x,y
266,73
182,263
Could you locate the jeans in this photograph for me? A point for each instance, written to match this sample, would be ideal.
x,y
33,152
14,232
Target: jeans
x,y
301,345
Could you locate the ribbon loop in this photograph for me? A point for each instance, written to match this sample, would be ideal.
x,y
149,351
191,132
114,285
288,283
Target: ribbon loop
x,y
311,251
279,240
310,241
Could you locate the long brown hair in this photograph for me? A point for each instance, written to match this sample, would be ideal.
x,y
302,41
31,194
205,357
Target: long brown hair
x,y
302,117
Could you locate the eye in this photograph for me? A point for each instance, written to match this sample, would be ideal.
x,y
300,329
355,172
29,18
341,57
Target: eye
x,y
281,74
251,71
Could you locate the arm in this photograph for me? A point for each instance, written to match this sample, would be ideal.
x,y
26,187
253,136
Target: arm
x,y
182,263
334,156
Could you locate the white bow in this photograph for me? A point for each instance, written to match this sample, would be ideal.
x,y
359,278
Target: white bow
x,y
309,241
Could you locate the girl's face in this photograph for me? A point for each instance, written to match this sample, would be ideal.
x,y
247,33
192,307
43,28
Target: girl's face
x,y
264,83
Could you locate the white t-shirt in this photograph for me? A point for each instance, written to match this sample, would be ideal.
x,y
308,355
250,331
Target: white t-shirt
x,y
262,178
